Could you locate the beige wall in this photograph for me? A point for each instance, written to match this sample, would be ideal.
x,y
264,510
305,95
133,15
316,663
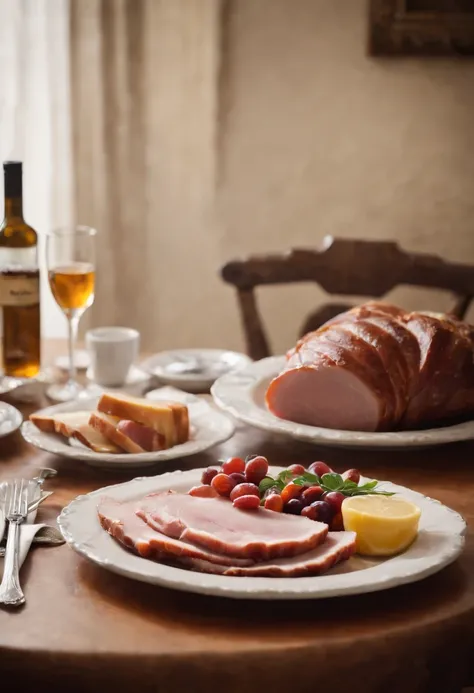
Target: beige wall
x,y
320,138
200,136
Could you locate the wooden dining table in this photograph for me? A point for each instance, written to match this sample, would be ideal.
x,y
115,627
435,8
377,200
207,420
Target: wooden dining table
x,y
86,629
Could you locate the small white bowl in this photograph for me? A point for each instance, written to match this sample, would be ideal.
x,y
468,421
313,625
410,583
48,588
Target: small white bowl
x,y
194,370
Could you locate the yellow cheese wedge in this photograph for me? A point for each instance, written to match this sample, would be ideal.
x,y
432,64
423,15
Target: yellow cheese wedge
x,y
170,419
385,525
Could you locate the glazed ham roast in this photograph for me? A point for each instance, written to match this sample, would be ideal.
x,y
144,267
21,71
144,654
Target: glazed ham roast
x,y
378,368
210,535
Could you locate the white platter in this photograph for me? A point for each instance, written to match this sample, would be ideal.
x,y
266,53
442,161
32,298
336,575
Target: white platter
x,y
193,369
208,428
243,395
10,419
439,543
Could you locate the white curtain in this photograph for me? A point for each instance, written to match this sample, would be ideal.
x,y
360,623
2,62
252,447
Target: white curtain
x,y
145,79
35,119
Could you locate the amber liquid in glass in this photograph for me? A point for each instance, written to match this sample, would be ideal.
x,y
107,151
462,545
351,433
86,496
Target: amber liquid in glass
x,y
73,286
19,284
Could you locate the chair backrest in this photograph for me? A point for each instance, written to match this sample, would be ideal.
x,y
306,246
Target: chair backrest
x,y
345,267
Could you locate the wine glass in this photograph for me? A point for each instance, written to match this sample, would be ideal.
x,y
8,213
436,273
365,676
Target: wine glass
x,y
70,260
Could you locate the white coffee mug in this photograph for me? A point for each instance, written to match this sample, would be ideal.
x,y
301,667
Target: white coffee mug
x,y
112,351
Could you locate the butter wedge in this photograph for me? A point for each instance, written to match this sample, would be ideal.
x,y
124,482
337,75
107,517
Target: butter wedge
x,y
385,525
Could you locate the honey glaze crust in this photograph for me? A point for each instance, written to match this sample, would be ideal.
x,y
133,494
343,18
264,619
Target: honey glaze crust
x,y
420,366
444,392
371,367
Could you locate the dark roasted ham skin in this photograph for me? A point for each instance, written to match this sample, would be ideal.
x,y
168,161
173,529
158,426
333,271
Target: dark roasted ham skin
x,y
390,370
446,373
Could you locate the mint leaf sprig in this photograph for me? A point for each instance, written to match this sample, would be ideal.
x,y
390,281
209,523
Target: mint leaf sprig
x,y
328,482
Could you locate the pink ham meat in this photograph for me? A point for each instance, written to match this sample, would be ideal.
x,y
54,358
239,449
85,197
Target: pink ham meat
x,y
326,393
338,546
145,437
121,521
214,524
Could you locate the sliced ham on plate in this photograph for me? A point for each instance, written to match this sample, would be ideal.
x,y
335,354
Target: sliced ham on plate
x,y
337,547
122,522
213,523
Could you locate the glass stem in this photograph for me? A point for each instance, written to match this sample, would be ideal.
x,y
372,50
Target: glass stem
x,y
73,322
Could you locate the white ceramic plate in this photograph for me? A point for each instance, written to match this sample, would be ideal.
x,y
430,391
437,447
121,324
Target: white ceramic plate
x,y
243,395
440,541
208,428
10,419
193,369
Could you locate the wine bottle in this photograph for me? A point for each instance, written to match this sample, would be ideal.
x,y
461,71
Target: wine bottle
x,y
19,282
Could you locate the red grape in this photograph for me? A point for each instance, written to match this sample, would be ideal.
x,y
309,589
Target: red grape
x,y
334,498
223,484
203,491
319,468
290,491
238,478
256,469
208,475
274,502
244,490
247,502
311,494
352,475
324,512
234,465
310,512
293,507
337,524
296,469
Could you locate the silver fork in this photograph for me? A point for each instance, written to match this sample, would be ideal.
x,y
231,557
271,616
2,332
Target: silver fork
x,y
16,506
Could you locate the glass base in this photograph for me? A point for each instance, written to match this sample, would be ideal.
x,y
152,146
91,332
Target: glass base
x,y
68,392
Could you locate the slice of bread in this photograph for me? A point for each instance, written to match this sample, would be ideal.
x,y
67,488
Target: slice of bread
x,y
170,419
128,435
75,425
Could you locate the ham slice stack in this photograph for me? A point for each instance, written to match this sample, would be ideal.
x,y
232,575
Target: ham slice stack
x,y
209,535
378,368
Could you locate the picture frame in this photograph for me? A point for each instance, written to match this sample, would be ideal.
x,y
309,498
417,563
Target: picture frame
x,y
421,27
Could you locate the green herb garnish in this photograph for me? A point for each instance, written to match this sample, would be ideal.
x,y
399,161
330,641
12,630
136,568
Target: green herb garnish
x,y
328,482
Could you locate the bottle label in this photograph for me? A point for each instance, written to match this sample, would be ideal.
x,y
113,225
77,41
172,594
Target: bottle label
x,y
18,290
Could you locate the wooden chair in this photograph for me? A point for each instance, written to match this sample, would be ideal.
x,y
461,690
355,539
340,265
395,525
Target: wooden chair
x,y
346,267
